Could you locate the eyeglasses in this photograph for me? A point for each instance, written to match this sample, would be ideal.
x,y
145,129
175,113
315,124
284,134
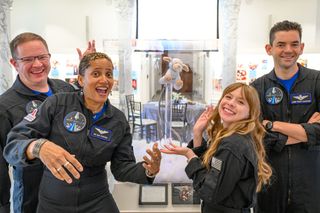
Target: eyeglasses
x,y
31,59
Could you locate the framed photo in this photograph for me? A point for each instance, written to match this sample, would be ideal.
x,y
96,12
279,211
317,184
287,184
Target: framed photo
x,y
156,194
183,193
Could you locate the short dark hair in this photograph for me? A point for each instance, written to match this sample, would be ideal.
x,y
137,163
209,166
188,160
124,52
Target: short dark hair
x,y
85,61
284,26
25,37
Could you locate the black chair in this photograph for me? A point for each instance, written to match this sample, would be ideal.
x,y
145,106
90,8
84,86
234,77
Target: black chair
x,y
149,125
179,119
179,124
129,98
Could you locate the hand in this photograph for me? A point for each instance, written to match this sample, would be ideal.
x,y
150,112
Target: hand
x,y
202,121
58,160
90,49
178,150
314,118
152,165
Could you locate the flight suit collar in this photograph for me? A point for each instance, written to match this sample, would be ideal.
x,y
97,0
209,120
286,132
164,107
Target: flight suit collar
x,y
302,74
109,111
21,88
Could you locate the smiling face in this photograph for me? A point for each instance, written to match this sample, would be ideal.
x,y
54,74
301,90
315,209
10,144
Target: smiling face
x,y
34,73
97,82
233,107
285,49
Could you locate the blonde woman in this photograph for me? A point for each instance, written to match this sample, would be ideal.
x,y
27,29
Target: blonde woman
x,y
229,169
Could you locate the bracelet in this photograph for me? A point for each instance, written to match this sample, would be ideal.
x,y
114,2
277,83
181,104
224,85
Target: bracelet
x,y
150,175
37,146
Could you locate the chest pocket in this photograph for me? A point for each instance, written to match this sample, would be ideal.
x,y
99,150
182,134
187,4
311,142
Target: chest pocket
x,y
102,141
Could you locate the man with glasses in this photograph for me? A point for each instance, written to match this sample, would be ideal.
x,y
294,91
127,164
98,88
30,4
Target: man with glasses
x,y
31,59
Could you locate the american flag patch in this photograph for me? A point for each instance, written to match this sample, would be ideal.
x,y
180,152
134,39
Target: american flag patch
x,y
216,163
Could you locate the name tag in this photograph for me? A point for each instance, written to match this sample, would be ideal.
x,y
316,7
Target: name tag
x,y
300,98
101,133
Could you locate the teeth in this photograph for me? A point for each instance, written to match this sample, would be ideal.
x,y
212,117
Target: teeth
x,y
36,72
102,88
228,110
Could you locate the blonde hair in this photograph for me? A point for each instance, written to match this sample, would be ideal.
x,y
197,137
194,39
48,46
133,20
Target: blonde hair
x,y
251,125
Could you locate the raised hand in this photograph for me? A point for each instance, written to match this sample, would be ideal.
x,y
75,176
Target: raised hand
x,y
201,125
203,120
152,164
90,49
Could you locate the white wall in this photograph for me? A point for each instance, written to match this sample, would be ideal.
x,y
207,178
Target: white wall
x,y
63,22
257,17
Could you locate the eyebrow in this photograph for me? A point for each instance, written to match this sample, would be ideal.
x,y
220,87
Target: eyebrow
x,y
238,98
282,42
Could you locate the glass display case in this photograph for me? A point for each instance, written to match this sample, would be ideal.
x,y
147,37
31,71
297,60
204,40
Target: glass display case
x,y
140,62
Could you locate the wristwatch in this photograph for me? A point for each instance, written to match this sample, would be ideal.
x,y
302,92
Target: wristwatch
x,y
269,126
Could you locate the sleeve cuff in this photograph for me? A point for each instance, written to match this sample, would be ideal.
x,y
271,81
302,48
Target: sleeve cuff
x,y
150,175
311,134
200,150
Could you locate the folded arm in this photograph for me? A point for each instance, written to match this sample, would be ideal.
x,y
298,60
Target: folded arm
x,y
299,133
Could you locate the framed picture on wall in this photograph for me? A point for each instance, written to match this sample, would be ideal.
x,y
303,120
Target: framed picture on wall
x,y
183,193
156,194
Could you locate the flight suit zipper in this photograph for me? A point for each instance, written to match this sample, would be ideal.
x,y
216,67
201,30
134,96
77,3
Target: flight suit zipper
x,y
289,151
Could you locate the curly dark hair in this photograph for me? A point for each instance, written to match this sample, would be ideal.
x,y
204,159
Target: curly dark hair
x,y
85,61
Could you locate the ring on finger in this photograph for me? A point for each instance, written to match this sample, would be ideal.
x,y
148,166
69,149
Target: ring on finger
x,y
58,170
66,164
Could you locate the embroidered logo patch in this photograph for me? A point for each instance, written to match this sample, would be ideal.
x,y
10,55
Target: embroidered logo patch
x,y
31,116
74,121
216,163
300,98
32,105
274,95
101,133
